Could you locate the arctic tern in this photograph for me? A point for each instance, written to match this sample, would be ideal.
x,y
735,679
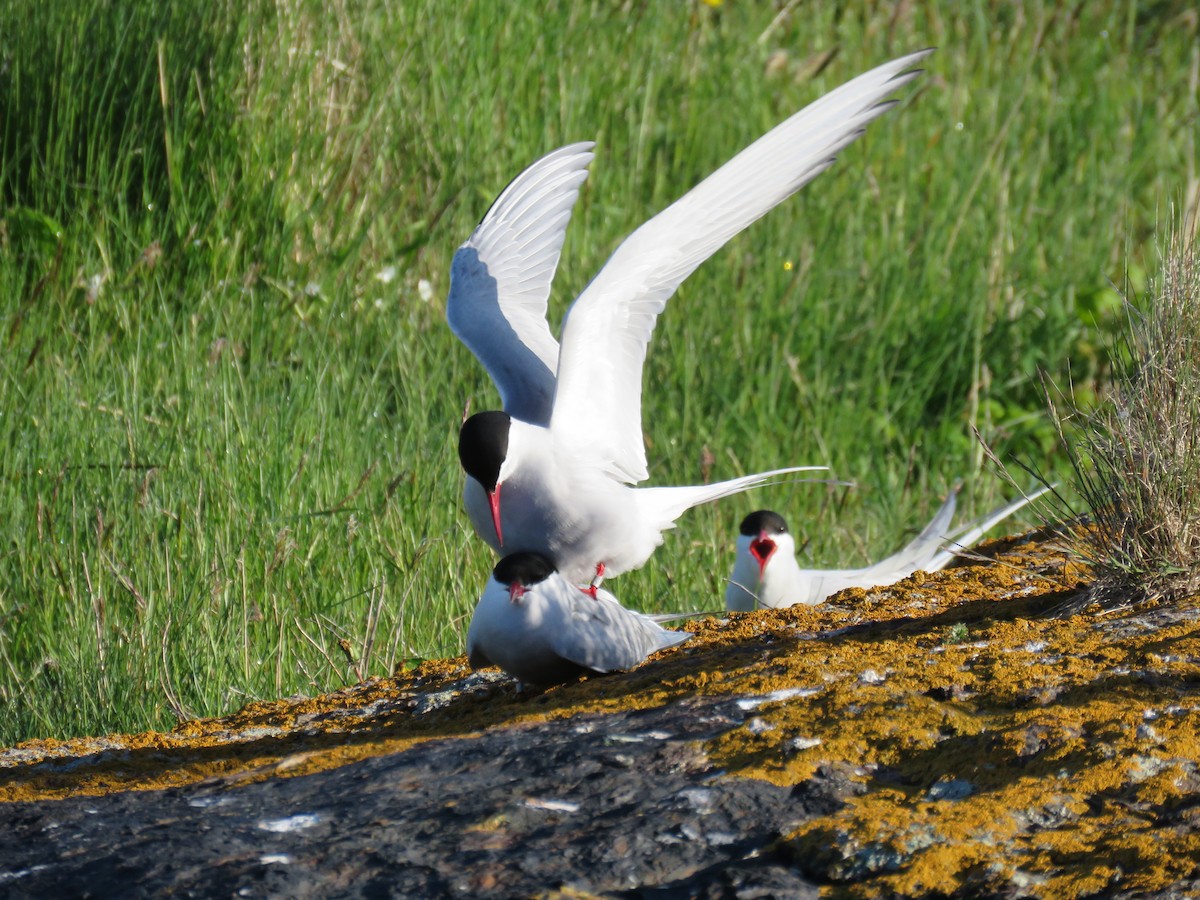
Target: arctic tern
x,y
541,629
766,574
552,474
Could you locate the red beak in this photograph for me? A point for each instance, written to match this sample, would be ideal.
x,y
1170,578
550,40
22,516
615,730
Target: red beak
x,y
494,500
762,549
516,591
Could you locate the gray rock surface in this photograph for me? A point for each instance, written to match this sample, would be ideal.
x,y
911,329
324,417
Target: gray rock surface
x,y
616,805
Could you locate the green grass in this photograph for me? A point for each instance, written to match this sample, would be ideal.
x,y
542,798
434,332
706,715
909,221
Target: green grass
x,y
228,445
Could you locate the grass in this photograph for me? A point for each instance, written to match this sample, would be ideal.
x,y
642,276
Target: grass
x,y
228,412
1136,454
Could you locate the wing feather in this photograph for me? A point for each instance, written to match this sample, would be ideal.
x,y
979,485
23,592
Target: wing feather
x,y
600,634
500,281
598,399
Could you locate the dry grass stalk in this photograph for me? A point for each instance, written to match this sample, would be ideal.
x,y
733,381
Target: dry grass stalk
x,y
1136,455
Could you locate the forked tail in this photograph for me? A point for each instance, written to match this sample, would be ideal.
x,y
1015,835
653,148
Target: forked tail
x,y
924,551
969,534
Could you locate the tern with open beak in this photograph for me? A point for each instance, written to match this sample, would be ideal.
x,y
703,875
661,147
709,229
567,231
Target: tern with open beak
x,y
766,574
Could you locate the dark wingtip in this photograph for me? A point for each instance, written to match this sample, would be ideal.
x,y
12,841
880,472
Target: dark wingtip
x,y
924,53
908,75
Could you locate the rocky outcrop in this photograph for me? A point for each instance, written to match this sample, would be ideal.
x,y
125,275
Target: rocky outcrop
x,y
946,736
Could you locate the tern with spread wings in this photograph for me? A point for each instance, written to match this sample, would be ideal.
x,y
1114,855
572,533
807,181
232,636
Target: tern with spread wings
x,y
553,472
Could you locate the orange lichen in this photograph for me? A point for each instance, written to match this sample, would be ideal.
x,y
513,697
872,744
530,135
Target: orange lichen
x,y
998,747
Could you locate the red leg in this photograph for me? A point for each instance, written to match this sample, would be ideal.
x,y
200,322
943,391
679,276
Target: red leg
x,y
597,580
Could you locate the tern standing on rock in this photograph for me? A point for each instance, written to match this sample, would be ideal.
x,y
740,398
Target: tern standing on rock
x,y
766,574
552,473
541,629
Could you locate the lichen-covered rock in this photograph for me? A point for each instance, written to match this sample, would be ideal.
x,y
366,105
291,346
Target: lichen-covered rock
x,y
943,736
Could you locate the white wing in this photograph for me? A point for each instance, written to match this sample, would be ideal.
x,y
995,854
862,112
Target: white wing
x,y
930,551
500,281
598,402
921,552
602,635
968,535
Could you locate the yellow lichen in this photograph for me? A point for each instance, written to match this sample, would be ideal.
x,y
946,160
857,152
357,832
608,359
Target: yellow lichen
x,y
1029,750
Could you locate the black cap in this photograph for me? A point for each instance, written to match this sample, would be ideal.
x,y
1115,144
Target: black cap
x,y
763,520
526,569
483,445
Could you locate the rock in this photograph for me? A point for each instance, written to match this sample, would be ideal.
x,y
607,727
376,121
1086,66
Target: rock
x,y
507,813
783,752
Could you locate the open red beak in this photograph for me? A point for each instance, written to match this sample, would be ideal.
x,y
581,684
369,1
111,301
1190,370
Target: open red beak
x,y
516,591
494,500
762,549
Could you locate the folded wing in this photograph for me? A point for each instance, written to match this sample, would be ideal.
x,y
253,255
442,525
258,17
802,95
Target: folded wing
x,y
601,635
930,551
968,535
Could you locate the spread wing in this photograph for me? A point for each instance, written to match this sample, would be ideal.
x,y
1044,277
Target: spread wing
x,y
598,400
500,281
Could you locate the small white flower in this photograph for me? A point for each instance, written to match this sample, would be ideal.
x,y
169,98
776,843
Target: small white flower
x,y
386,274
94,286
425,290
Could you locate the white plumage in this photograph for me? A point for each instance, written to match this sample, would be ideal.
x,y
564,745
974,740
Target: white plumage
x,y
552,474
766,574
540,628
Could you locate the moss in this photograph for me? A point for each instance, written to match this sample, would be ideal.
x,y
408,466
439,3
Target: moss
x,y
1051,755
